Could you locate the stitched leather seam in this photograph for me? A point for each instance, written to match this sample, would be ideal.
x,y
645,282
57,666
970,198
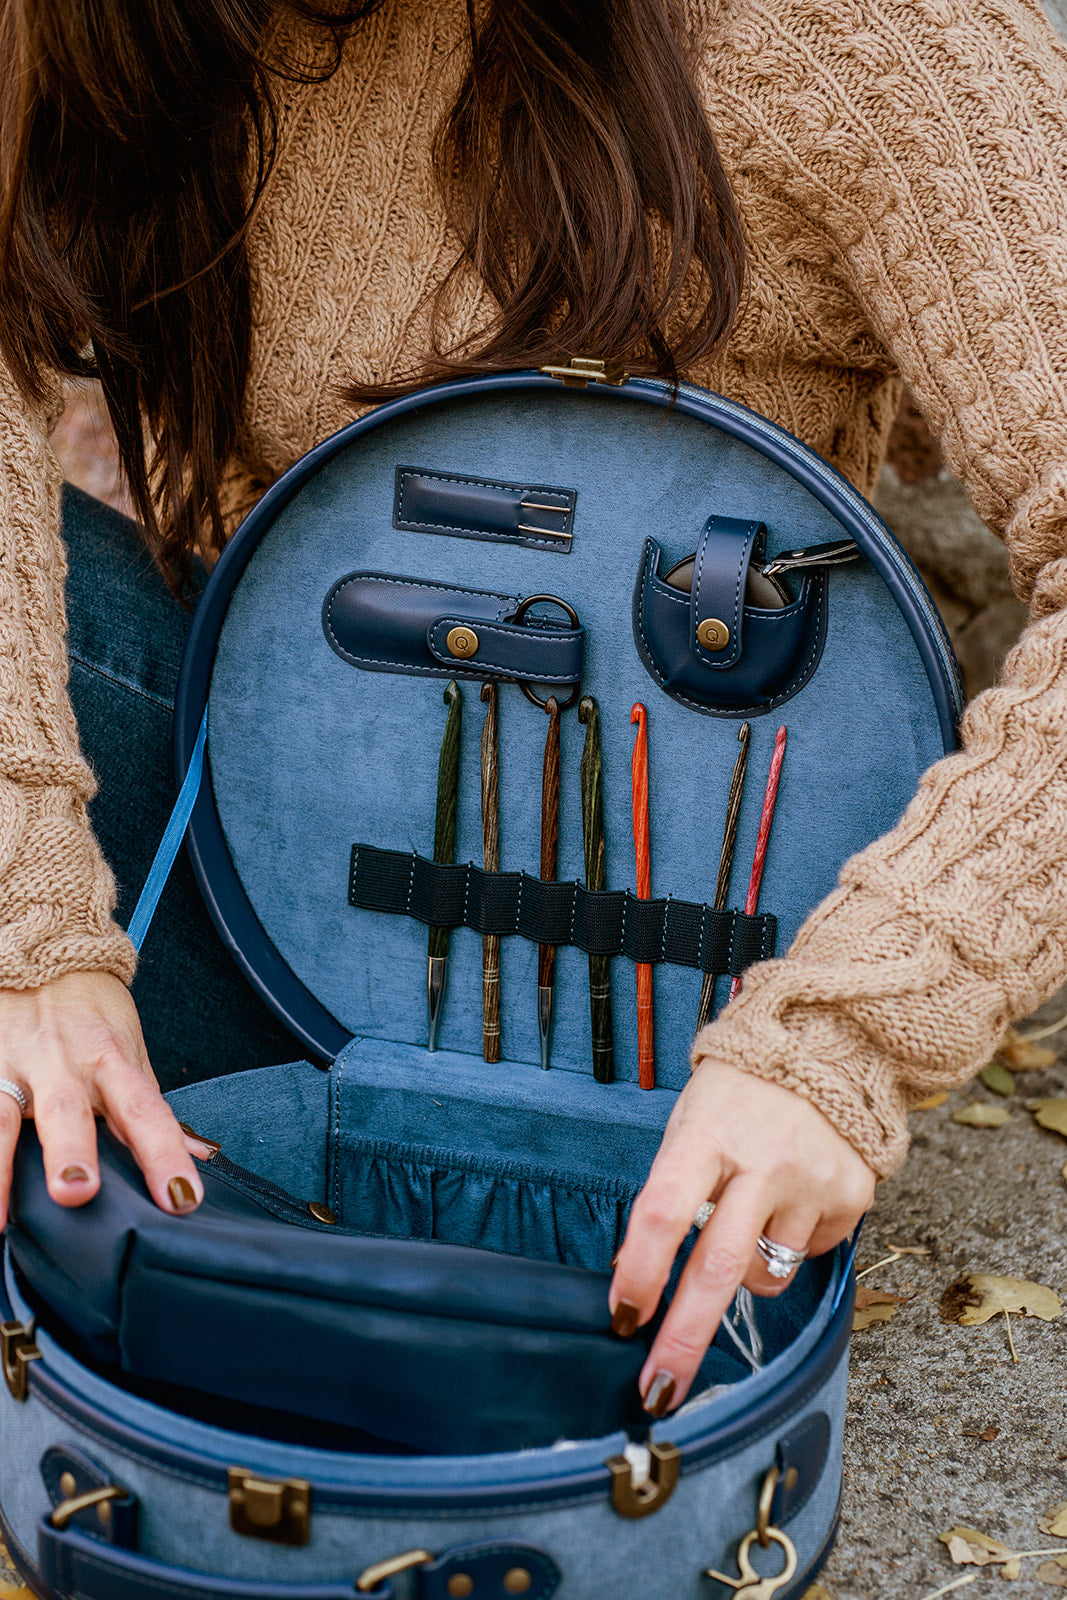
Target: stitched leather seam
x,y
781,614
411,583
517,536
566,636
734,655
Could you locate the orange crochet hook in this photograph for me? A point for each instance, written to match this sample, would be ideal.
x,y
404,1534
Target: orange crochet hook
x,y
766,818
646,1053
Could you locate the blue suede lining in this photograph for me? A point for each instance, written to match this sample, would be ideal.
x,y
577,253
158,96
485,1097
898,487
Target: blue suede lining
x,y
309,754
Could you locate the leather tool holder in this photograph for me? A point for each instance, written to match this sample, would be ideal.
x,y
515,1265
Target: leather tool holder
x,y
385,623
711,649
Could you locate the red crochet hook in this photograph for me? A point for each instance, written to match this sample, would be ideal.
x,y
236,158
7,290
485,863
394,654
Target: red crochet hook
x,y
646,1053
767,816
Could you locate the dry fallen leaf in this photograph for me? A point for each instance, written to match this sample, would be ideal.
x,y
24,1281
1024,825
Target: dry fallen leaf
x,y
980,1296
931,1102
978,1115
1020,1055
968,1547
1055,1521
988,1434
818,1591
874,1305
1051,1114
997,1078
1053,1572
1012,1569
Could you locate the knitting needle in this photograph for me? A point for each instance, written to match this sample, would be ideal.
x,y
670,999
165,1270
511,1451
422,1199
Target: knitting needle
x,y
491,862
444,849
726,861
646,1057
760,854
546,953
595,878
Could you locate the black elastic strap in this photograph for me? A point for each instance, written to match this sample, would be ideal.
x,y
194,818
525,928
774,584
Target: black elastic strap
x,y
606,922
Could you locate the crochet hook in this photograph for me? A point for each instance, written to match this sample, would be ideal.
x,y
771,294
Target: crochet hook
x,y
726,861
766,818
546,953
444,849
646,1055
491,862
592,771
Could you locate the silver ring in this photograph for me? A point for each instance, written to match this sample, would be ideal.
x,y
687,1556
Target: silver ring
x,y
17,1094
703,1214
779,1258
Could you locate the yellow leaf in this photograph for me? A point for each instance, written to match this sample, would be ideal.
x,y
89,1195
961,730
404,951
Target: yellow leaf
x,y
1051,1114
980,1296
1055,1521
1052,1572
818,1591
931,1102
982,1116
1011,1569
869,1315
969,1548
1022,1056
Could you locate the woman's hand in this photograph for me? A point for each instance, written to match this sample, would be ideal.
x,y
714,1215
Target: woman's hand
x,y
75,1047
774,1165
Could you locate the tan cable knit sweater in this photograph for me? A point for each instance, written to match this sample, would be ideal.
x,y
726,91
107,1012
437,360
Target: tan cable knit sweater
x,y
901,168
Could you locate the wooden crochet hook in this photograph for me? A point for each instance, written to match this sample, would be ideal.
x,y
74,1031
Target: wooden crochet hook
x,y
766,818
726,861
546,953
444,849
646,1053
491,863
592,771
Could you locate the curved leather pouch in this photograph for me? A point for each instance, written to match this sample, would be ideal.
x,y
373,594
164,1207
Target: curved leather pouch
x,y
386,623
396,1337
768,653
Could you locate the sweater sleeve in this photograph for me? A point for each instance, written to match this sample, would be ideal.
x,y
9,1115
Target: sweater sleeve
x,y
56,891
928,139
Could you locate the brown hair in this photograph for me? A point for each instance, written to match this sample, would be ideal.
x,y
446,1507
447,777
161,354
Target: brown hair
x,y
577,166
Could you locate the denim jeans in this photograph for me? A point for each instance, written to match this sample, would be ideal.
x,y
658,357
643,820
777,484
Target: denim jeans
x,y
200,1017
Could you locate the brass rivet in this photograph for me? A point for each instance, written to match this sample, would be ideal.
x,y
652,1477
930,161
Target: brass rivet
x,y
517,1581
713,634
792,1478
103,1512
322,1213
68,1485
460,1585
462,642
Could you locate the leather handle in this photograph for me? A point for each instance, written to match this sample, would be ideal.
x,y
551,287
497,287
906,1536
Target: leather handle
x,y
76,1567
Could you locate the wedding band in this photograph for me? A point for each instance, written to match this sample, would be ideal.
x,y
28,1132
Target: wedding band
x,y
17,1094
779,1259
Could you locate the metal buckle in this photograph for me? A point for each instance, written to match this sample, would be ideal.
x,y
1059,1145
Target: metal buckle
x,y
17,1350
277,1509
372,1577
68,1509
572,617
665,1462
581,371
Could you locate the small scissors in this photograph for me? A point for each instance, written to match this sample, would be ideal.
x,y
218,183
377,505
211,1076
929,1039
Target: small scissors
x,y
750,1586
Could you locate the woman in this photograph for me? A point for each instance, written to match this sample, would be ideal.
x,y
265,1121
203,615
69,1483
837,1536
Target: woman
x,y
883,195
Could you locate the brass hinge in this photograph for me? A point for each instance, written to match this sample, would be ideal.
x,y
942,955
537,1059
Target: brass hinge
x,y
278,1509
580,372
17,1350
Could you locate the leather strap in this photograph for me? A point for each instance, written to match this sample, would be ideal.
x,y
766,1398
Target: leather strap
x,y
720,572
515,650
75,1567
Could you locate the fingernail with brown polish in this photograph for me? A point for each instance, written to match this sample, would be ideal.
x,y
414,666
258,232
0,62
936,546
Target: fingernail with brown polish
x,y
182,1194
75,1175
613,1263
624,1320
660,1394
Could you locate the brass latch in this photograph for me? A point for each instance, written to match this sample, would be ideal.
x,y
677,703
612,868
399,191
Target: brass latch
x,y
375,1576
17,1350
632,1500
278,1509
580,372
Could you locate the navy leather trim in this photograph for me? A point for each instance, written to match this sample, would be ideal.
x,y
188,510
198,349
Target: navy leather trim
x,y
521,650
802,1451
766,1419
224,896
720,572
121,1525
465,507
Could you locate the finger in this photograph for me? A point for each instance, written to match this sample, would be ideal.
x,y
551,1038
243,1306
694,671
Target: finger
x,y
793,1227
147,1126
685,1172
713,1274
10,1128
66,1127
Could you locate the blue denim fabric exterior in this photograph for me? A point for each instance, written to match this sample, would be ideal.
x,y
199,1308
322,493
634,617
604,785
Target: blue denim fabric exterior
x,y
127,633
